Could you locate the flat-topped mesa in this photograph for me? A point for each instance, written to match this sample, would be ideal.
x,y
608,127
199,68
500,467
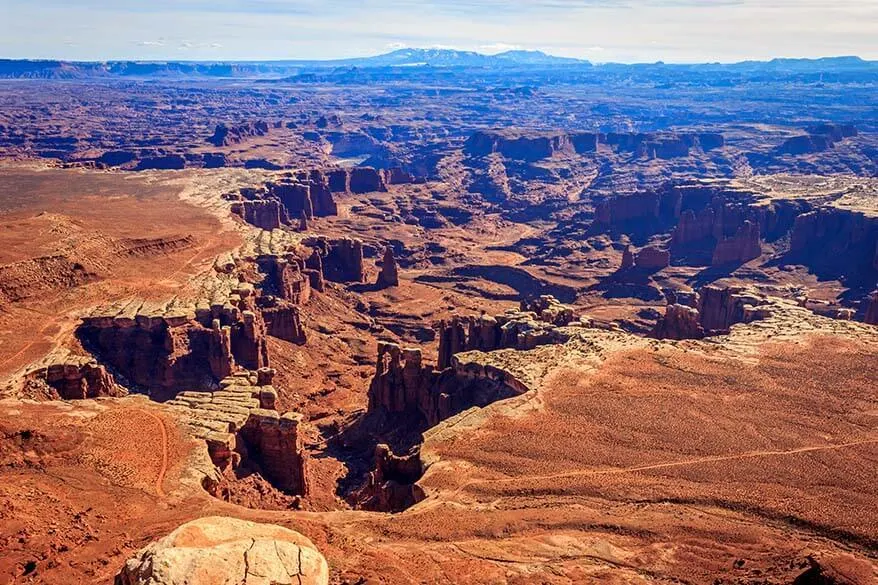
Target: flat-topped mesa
x,y
359,180
267,214
389,275
305,193
76,379
533,145
341,259
169,346
716,310
535,323
225,135
819,138
520,145
649,258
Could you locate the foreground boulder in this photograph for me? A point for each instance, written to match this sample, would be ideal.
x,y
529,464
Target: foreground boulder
x,y
220,551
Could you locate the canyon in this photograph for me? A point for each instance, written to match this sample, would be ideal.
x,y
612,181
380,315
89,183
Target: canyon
x,y
380,324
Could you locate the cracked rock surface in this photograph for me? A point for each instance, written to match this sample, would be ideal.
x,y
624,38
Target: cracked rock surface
x,y
227,551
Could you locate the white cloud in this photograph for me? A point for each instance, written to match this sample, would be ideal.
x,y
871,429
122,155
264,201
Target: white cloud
x,y
151,43
499,48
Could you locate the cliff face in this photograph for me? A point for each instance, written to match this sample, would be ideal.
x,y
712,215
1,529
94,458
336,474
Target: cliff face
x,y
167,348
742,247
242,429
390,486
837,243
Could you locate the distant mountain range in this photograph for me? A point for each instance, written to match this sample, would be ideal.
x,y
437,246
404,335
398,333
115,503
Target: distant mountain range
x,y
402,58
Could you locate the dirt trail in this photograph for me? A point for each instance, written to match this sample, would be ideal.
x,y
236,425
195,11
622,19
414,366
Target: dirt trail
x,y
160,479
696,461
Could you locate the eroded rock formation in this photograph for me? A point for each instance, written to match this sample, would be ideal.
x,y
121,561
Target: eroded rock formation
x,y
534,324
390,486
389,275
716,310
73,379
167,346
275,441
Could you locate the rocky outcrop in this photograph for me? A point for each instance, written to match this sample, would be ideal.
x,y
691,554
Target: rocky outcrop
x,y
366,180
390,486
283,320
77,379
404,384
837,243
819,138
618,210
341,259
679,322
243,430
225,135
169,346
266,214
275,441
714,312
744,246
286,277
534,324
806,144
214,550
517,145
389,275
720,308
533,146
652,258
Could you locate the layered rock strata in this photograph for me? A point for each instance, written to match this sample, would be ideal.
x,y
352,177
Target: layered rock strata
x,y
242,428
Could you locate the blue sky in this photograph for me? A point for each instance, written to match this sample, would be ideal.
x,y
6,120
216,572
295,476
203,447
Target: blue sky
x,y
599,30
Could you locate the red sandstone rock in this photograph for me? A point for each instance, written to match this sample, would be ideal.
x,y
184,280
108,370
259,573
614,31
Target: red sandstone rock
x,y
389,275
276,442
652,258
679,322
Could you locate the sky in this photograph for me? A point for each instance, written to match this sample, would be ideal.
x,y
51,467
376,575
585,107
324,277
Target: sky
x,y
679,31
